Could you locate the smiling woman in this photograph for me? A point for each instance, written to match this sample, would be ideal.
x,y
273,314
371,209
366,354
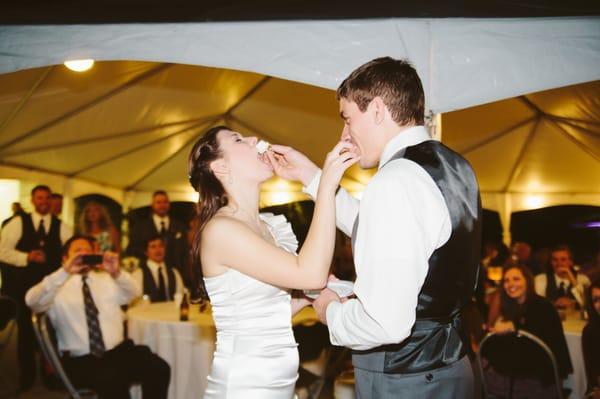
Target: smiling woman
x,y
522,309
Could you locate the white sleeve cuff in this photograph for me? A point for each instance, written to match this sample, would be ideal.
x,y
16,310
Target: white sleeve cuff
x,y
313,186
333,310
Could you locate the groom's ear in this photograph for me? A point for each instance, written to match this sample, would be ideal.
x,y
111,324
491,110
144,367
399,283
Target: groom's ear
x,y
379,109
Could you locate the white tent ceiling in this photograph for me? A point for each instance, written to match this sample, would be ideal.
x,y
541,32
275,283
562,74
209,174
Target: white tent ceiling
x,y
126,127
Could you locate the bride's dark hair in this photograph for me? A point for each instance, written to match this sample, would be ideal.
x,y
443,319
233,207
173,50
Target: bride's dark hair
x,y
212,193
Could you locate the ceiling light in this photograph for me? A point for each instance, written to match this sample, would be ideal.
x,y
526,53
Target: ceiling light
x,y
79,65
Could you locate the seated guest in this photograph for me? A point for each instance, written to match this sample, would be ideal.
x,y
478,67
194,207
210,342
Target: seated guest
x,y
522,309
562,285
84,305
590,338
153,277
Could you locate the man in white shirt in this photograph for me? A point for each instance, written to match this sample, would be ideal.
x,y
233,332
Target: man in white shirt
x,y
416,241
173,231
84,302
561,285
155,279
30,248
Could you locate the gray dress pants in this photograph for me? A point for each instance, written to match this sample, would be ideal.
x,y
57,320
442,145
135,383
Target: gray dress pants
x,y
454,381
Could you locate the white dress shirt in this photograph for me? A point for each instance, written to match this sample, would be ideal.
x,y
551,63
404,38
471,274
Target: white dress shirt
x,y
403,219
60,294
578,291
138,276
11,234
157,220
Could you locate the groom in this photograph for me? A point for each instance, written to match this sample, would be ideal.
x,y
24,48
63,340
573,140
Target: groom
x,y
416,241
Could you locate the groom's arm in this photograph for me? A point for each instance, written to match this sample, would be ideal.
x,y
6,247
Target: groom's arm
x,y
346,206
403,219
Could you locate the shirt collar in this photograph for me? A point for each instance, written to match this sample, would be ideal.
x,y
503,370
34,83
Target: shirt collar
x,y
154,265
559,280
36,217
158,219
411,136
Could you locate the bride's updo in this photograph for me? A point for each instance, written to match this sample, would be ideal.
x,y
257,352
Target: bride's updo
x,y
212,193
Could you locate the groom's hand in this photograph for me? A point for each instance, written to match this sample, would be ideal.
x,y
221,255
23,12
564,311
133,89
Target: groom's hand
x,y
323,300
291,164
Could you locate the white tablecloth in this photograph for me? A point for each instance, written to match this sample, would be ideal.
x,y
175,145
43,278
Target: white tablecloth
x,y
187,346
577,381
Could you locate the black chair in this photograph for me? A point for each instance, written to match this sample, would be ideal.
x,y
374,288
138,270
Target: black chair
x,y
8,347
530,339
47,340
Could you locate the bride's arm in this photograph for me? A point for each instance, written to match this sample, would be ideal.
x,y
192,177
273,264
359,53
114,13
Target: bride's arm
x,y
231,243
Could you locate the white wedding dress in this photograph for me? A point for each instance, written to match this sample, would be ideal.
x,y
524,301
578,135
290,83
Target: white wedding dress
x,y
256,356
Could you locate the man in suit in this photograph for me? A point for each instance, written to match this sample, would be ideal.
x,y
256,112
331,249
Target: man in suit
x,y
562,285
30,246
84,302
173,232
416,241
155,280
56,204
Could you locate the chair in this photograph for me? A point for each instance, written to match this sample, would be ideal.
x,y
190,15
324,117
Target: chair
x,y
47,340
8,347
521,334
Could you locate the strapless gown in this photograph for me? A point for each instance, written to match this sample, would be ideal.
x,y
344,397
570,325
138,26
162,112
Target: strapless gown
x,y
256,355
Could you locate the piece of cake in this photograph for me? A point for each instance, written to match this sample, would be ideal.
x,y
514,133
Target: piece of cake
x,y
262,146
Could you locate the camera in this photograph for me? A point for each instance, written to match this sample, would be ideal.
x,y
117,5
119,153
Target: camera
x,y
92,260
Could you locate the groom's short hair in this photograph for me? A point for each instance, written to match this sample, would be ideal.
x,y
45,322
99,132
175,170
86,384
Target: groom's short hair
x,y
395,81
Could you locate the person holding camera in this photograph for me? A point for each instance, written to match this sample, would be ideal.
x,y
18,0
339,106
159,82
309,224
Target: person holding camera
x,y
30,246
83,299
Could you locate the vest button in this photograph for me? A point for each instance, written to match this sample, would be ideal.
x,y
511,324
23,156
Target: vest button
x,y
429,377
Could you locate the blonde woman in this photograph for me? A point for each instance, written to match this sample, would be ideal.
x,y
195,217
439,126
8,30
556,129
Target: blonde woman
x,y
96,222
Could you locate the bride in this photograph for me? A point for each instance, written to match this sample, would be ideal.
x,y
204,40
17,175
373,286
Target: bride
x,y
248,263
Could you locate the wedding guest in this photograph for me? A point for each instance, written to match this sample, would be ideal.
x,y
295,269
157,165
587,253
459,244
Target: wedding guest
x,y
56,204
17,210
562,285
173,231
84,302
590,339
153,276
95,221
529,367
29,250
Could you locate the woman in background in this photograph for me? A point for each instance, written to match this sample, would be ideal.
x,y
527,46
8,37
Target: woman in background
x,y
522,309
96,222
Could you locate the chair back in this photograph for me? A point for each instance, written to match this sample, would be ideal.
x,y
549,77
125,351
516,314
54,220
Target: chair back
x,y
530,338
47,340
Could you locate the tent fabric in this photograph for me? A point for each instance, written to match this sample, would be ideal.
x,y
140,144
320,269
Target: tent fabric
x,y
129,126
125,127
462,62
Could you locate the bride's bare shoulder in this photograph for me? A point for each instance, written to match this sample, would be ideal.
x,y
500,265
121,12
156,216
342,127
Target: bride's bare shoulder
x,y
222,226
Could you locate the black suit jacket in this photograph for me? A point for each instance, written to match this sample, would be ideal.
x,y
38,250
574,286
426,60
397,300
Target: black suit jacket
x,y
176,243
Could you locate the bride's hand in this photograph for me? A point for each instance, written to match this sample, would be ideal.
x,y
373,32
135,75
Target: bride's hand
x,y
340,158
